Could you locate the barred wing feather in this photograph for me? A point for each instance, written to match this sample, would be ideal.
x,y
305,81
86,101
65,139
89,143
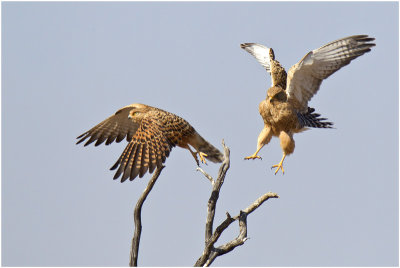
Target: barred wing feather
x,y
305,77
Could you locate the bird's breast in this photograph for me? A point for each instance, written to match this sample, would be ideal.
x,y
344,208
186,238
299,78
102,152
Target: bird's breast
x,y
280,116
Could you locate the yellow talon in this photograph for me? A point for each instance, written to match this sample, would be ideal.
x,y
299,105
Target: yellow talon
x,y
279,166
202,159
254,156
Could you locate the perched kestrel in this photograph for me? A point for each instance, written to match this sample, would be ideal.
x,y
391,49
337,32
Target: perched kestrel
x,y
285,111
151,133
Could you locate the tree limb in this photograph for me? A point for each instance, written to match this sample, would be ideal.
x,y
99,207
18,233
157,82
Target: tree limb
x,y
228,247
210,252
242,237
212,202
138,218
206,175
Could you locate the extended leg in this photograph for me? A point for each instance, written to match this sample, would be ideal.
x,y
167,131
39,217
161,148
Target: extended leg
x,y
263,138
287,145
193,154
201,155
280,165
254,156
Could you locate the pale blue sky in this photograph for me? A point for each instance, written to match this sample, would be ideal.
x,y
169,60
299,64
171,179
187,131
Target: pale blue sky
x,y
67,66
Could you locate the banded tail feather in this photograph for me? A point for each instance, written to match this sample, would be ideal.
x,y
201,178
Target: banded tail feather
x,y
311,119
213,154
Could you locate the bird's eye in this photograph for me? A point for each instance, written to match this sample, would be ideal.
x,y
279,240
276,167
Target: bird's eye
x,y
132,114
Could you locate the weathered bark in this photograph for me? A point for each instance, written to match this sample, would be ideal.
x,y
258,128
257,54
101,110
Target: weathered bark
x,y
138,218
210,252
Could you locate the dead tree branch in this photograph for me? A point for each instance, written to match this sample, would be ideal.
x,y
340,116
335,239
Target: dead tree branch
x,y
211,252
138,218
206,175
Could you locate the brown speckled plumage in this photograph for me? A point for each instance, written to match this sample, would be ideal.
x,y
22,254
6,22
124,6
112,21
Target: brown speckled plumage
x,y
278,73
285,111
277,114
151,133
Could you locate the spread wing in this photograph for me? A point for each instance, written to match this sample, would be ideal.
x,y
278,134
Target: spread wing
x,y
266,57
147,150
116,127
305,77
260,52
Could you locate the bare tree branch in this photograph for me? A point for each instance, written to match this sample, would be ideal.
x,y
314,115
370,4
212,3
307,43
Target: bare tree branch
x,y
242,237
228,247
212,202
138,218
210,252
259,202
206,175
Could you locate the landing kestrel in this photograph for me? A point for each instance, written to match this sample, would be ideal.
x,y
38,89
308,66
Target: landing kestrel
x,y
285,111
151,133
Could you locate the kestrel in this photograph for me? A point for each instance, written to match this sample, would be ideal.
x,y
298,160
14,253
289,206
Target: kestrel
x,y
151,133
285,111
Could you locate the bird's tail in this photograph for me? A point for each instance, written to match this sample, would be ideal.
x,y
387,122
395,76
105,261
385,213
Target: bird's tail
x,y
311,119
213,154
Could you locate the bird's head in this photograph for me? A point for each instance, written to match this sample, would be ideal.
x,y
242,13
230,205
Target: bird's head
x,y
138,111
276,94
